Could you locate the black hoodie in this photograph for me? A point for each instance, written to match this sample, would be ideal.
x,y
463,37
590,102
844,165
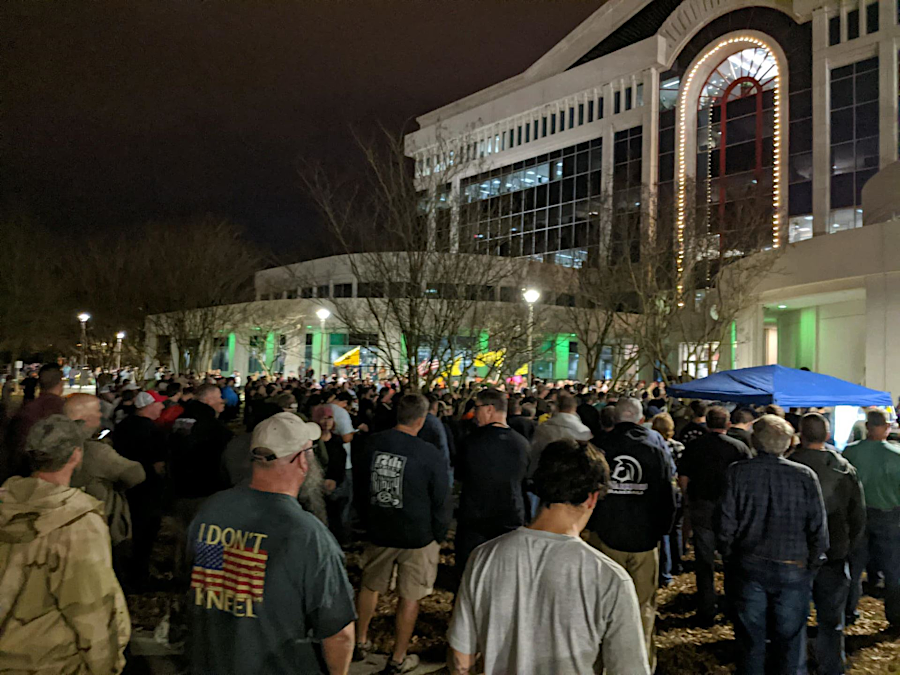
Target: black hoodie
x,y
640,505
196,445
843,497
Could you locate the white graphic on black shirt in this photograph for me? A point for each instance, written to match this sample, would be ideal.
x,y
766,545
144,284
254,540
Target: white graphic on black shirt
x,y
387,480
626,476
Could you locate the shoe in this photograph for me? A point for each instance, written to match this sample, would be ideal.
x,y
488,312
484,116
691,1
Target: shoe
x,y
362,650
410,662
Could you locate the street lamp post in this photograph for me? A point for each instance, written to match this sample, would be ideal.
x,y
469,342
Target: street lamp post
x,y
323,313
119,337
531,295
84,317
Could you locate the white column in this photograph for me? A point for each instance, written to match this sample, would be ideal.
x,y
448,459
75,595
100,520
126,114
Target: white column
x,y
882,328
650,150
821,102
241,354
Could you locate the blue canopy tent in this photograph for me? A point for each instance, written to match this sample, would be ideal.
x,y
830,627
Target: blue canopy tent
x,y
787,387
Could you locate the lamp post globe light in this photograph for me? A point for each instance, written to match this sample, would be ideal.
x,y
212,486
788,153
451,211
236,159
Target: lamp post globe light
x,y
323,313
119,337
531,295
83,318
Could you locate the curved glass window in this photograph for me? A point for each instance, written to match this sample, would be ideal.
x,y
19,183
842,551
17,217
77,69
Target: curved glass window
x,y
735,149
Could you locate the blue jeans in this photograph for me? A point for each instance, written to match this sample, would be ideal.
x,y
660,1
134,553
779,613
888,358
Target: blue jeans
x,y
830,590
881,552
771,607
704,571
665,559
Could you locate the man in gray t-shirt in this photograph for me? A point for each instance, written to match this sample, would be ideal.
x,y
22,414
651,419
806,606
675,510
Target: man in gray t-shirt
x,y
539,600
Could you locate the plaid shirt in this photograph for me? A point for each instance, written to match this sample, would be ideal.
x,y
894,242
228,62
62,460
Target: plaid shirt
x,y
773,509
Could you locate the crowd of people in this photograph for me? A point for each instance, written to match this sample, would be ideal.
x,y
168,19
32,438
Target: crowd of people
x,y
568,506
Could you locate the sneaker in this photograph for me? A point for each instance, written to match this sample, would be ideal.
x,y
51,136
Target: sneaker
x,y
362,650
410,662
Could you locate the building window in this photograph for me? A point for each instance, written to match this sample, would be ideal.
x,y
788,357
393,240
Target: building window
x,y
668,93
854,139
628,99
800,228
800,165
322,292
844,219
627,185
853,24
547,207
590,111
834,30
735,142
872,18
600,105
343,290
617,102
639,94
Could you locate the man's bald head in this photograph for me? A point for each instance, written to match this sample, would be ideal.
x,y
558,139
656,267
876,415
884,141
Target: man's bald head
x,y
84,407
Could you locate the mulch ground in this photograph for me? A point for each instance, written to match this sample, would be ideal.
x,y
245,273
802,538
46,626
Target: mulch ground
x,y
682,648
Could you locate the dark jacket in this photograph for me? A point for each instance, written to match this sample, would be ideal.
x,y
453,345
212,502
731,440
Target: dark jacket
x,y
640,506
433,432
590,417
409,491
742,435
843,495
523,425
195,451
141,440
492,467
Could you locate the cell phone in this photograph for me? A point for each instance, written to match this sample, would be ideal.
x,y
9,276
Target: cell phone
x,y
103,434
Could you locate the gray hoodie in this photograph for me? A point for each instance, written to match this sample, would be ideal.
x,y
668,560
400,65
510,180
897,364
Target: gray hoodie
x,y
559,427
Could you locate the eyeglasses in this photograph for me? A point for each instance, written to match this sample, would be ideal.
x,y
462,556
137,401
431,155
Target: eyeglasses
x,y
297,456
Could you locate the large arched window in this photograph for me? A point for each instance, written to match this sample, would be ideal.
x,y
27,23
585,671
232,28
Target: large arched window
x,y
735,148
730,196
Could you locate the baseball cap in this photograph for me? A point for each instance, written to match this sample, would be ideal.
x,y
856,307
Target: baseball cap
x,y
159,398
283,435
51,441
130,386
143,399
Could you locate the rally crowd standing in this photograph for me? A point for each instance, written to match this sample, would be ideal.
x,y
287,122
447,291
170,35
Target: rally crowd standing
x,y
575,503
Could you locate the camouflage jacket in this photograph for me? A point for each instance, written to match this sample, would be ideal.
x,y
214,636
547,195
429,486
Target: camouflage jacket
x,y
61,608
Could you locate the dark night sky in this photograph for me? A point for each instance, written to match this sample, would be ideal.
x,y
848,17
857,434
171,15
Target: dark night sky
x,y
118,113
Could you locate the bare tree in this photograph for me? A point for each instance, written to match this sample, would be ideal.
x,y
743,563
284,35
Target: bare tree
x,y
278,321
426,292
174,287
726,248
34,301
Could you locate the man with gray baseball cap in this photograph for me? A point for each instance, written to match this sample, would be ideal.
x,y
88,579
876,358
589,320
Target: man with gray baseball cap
x,y
269,591
61,607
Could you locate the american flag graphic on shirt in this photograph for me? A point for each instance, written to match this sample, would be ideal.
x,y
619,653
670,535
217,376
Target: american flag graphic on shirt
x,y
239,570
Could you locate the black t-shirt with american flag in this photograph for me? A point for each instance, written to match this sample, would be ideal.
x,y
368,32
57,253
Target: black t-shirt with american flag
x,y
268,583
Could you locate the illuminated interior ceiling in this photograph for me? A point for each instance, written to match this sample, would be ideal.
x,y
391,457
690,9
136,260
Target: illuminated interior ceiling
x,y
745,70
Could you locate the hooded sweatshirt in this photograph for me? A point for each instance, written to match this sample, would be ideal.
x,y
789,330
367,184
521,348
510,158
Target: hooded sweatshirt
x,y
640,505
61,608
843,495
559,427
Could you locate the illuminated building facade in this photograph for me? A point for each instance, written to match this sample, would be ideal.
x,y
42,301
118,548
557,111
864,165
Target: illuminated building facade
x,y
651,107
